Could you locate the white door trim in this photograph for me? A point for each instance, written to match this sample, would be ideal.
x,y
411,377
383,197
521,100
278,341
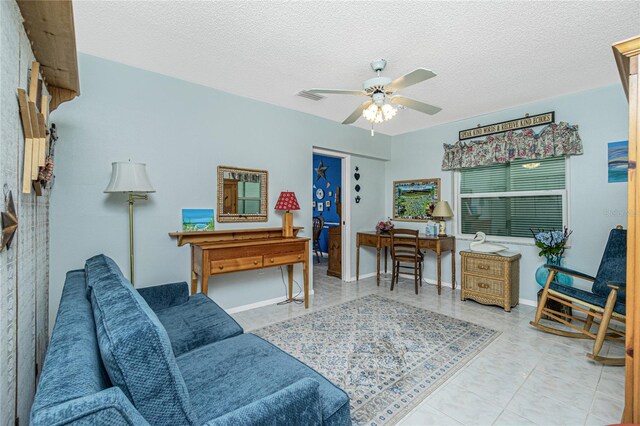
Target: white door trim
x,y
346,206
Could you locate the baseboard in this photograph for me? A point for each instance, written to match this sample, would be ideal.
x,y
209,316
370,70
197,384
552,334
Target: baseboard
x,y
528,302
259,304
362,277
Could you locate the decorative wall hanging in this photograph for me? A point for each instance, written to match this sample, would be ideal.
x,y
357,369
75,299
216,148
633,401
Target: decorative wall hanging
x,y
554,140
320,193
320,207
321,171
505,126
357,188
618,161
358,199
198,220
9,220
356,175
414,200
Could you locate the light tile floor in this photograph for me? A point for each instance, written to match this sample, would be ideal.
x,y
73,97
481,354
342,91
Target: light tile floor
x,y
525,377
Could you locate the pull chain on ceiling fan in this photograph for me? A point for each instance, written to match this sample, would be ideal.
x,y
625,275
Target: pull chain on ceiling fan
x,y
382,89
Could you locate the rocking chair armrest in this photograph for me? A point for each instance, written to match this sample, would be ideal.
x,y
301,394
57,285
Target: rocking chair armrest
x,y
568,271
617,285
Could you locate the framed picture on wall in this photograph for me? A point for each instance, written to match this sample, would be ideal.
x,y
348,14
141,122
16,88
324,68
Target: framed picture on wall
x,y
313,204
320,207
414,200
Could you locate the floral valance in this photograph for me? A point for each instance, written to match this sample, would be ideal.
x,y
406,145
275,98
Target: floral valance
x,y
554,140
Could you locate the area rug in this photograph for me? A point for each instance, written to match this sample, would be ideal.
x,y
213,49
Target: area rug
x,y
388,356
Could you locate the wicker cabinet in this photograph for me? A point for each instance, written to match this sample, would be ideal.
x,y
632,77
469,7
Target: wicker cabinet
x,y
491,279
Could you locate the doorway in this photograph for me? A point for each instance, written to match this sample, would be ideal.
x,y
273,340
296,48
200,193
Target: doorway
x,y
330,211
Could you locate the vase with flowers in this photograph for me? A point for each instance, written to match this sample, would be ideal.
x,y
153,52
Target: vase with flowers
x,y
552,245
384,226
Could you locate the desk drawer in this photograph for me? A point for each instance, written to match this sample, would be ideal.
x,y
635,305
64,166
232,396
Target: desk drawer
x,y
283,259
238,264
483,285
489,268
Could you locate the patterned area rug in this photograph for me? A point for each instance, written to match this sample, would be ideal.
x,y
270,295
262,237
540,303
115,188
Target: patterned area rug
x,y
387,355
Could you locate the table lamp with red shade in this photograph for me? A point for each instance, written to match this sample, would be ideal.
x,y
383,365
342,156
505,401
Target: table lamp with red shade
x,y
287,201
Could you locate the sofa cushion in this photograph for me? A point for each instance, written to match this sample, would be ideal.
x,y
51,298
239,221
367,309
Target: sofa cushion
x,y
135,347
197,322
224,376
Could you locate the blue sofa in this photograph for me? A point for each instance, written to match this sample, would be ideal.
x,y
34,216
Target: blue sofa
x,y
159,356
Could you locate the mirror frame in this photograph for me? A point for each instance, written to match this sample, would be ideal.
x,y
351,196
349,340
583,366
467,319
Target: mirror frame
x,y
264,197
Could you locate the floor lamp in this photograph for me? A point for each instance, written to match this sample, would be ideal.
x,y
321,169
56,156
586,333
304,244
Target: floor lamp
x,y
130,178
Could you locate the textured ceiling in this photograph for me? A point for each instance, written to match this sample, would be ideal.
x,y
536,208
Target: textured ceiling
x,y
488,55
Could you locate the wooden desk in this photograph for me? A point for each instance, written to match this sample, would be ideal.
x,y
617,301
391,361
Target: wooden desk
x,y
221,252
435,244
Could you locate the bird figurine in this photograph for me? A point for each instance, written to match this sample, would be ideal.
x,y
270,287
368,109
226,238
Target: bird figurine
x,y
481,246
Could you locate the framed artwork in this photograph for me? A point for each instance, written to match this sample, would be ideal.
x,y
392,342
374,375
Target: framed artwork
x,y
618,161
330,194
197,220
414,200
313,204
328,203
320,207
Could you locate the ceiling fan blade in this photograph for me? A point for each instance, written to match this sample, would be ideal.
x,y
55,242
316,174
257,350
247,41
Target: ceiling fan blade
x,y
357,113
338,92
414,77
417,105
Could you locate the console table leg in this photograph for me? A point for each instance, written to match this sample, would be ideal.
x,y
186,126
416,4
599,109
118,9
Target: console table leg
x,y
439,273
385,259
290,271
378,266
453,265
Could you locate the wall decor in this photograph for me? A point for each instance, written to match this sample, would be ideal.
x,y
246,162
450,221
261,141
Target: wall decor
x,y
320,193
358,199
414,200
197,220
242,195
9,220
357,188
327,203
313,204
505,126
320,207
356,175
618,161
330,194
321,171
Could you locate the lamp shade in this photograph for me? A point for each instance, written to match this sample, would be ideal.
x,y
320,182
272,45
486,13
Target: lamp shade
x,y
129,177
287,201
442,210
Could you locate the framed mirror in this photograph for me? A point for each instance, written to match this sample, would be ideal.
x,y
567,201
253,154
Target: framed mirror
x,y
242,195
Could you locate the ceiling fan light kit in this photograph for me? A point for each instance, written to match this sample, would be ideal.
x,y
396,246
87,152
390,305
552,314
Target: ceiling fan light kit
x,y
382,90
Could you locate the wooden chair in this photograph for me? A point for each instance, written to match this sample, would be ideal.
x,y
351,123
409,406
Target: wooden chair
x,y
318,224
604,303
406,254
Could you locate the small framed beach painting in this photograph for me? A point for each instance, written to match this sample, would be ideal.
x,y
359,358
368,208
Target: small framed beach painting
x,y
197,220
618,161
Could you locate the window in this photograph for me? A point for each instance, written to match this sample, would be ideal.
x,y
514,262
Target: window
x,y
510,199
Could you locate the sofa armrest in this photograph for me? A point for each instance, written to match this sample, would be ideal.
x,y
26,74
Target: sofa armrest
x,y
568,271
297,404
109,406
166,295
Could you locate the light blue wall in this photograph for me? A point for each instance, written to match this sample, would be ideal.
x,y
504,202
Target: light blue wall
x,y
183,131
595,205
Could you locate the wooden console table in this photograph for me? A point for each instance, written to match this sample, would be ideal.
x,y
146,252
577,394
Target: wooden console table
x,y
435,244
225,251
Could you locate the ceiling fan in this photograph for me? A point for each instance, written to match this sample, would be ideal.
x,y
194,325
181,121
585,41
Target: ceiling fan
x,y
381,89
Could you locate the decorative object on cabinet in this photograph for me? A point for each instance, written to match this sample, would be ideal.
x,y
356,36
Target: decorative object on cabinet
x,y
414,200
618,161
438,245
321,171
9,220
197,220
319,193
479,244
605,301
491,279
356,175
627,56
234,250
131,178
442,212
287,202
318,225
242,195
406,254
